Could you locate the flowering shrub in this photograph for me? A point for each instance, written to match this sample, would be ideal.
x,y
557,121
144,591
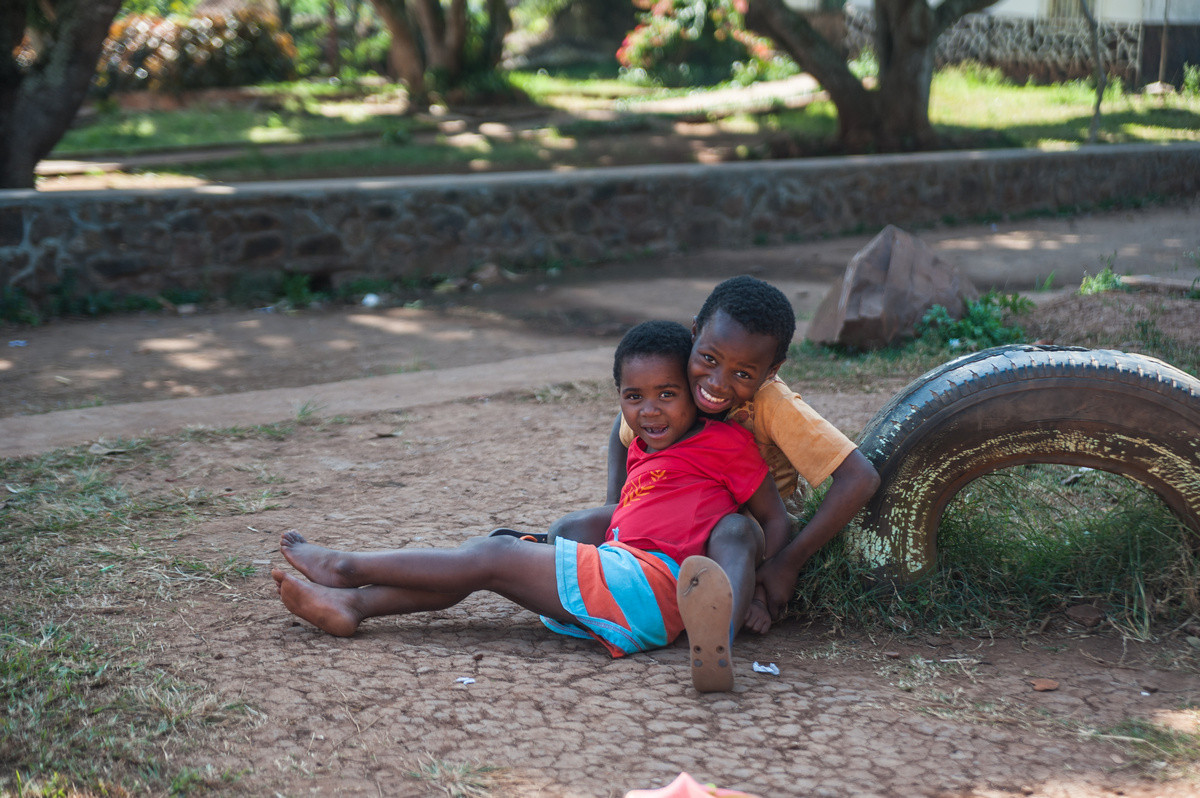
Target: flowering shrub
x,y
242,49
689,42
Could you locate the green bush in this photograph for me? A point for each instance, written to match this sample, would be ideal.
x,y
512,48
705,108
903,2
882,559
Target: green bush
x,y
1191,80
1101,283
983,323
243,49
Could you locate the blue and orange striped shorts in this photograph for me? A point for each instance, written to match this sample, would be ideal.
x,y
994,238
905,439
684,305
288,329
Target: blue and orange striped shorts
x,y
621,596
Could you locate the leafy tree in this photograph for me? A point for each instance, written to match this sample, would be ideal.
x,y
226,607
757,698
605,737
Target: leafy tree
x,y
894,115
48,54
442,39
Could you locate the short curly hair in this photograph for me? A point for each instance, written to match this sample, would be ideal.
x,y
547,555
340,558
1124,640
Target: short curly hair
x,y
667,339
758,307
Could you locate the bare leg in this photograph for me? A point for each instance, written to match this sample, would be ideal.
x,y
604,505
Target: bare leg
x,y
339,610
736,544
319,564
519,570
584,526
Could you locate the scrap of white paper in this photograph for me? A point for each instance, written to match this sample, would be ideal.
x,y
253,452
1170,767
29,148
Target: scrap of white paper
x,y
770,668
465,680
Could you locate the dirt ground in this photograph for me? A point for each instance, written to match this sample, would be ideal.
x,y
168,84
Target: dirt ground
x,y
483,684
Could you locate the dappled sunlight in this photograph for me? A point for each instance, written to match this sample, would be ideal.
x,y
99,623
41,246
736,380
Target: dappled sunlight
x,y
1011,243
388,324
5,365
167,345
196,362
172,388
341,345
275,341
1185,721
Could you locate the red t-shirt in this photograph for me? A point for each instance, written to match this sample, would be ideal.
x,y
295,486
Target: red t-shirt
x,y
672,499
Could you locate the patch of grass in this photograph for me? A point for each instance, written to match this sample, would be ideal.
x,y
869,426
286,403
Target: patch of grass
x,y
446,156
83,712
294,118
1020,545
1056,115
1105,280
986,322
78,715
1151,744
456,779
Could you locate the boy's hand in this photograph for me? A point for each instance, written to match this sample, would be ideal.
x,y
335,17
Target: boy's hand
x,y
757,618
777,582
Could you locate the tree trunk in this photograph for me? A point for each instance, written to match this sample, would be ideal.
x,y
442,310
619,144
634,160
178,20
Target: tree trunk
x,y
404,54
904,40
38,103
895,115
792,33
1098,70
499,26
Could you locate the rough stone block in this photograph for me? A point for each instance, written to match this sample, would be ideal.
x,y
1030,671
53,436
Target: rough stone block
x,y
261,246
12,227
886,289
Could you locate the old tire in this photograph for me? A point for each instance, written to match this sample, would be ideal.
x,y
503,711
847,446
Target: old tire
x,y
1129,414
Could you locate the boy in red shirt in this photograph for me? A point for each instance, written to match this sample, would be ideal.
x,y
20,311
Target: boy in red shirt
x,y
686,477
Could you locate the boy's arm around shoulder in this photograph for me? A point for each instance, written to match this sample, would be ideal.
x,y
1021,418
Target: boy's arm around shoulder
x,y
618,457
767,508
855,480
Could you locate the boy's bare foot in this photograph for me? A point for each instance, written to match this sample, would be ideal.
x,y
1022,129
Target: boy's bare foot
x,y
318,563
706,604
326,608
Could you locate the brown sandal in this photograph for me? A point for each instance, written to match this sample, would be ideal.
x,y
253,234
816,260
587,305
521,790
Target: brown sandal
x,y
706,605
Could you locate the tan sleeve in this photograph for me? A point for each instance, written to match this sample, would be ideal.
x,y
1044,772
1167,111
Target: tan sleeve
x,y
814,446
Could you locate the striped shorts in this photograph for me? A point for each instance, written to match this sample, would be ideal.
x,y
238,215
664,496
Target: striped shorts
x,y
620,596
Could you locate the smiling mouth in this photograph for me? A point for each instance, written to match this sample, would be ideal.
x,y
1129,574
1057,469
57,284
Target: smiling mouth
x,y
708,399
654,431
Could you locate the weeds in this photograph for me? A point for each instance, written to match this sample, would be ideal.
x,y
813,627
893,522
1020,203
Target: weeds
x,y
77,714
1101,283
455,779
82,711
985,322
1021,545
1151,744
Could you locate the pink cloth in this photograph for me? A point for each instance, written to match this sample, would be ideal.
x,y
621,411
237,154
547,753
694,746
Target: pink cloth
x,y
685,786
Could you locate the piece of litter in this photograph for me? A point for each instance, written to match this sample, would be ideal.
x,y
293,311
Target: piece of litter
x,y
370,301
18,343
465,680
770,668
1145,693
262,562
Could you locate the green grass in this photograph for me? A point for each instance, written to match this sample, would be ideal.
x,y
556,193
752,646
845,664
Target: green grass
x,y
129,132
991,320
1020,545
969,106
970,101
372,159
83,709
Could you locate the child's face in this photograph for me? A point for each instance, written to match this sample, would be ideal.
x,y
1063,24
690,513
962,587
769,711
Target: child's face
x,y
728,364
655,400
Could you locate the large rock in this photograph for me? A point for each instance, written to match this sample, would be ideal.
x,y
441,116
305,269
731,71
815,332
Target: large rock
x,y
887,287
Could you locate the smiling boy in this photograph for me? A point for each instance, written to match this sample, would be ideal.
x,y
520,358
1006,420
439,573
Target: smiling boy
x,y
740,339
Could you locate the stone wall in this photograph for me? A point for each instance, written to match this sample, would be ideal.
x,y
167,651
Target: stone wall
x,y
1042,50
218,239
